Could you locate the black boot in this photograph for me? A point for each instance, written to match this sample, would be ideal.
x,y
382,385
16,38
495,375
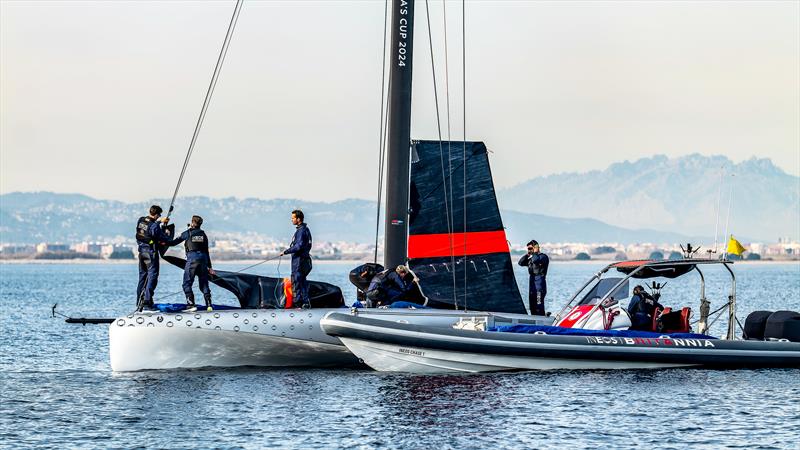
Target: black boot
x,y
190,306
208,302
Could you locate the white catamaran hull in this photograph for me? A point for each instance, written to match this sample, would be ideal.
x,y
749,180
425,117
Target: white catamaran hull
x,y
240,337
139,348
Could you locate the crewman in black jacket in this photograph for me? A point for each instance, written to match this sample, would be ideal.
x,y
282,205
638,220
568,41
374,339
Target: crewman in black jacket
x,y
301,259
149,235
537,263
198,262
642,308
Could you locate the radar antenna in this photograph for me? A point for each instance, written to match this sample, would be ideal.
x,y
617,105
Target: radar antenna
x,y
689,251
655,289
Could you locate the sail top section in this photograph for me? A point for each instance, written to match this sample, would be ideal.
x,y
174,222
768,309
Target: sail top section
x,y
460,266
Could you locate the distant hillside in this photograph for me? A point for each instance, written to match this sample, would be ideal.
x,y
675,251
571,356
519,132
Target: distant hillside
x,y
522,227
44,216
664,194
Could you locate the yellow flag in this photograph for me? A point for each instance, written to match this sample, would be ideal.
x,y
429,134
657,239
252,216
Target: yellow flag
x,y
734,247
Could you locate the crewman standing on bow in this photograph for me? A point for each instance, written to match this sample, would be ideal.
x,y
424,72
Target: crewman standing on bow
x,y
149,235
537,263
198,262
301,260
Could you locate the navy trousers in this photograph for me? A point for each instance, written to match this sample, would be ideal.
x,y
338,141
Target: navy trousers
x,y
196,265
301,267
536,292
148,276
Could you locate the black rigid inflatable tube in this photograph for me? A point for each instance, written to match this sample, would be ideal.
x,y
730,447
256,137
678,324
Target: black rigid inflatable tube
x,y
719,354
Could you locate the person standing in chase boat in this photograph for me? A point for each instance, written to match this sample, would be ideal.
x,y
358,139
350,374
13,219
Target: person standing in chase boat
x,y
301,260
198,262
537,263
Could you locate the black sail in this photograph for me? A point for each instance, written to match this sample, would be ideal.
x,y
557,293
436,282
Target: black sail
x,y
437,249
256,291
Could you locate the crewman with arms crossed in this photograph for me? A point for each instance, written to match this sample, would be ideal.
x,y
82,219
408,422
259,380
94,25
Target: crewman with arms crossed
x,y
537,263
198,262
301,259
148,235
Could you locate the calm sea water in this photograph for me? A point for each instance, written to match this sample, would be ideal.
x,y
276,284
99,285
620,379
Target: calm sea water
x,y
57,390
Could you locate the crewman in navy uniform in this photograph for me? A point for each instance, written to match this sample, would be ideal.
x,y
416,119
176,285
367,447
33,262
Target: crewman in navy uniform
x,y
391,286
148,235
642,308
301,259
537,263
198,262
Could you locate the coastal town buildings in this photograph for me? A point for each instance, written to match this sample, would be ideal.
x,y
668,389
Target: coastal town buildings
x,y
257,247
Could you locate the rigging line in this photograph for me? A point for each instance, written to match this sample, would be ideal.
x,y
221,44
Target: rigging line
x,y
271,258
209,92
464,129
441,155
381,145
449,143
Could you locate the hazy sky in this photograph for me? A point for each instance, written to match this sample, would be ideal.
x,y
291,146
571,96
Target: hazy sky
x,y
101,97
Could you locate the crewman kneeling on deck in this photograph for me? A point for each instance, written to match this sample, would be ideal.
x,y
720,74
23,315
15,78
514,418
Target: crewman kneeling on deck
x,y
391,286
198,262
641,309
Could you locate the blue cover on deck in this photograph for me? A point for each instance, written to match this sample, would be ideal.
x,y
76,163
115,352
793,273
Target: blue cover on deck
x,y
401,304
530,329
178,307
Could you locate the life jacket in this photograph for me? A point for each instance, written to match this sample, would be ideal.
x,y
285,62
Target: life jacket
x,y
143,230
197,241
646,305
287,292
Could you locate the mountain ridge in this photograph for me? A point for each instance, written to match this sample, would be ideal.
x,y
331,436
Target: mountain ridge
x,y
664,193
653,199
40,216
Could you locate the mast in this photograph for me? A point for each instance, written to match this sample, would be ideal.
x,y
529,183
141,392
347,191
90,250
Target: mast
x,y
399,134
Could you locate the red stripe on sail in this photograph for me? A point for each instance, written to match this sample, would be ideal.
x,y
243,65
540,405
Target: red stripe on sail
x,y
438,245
